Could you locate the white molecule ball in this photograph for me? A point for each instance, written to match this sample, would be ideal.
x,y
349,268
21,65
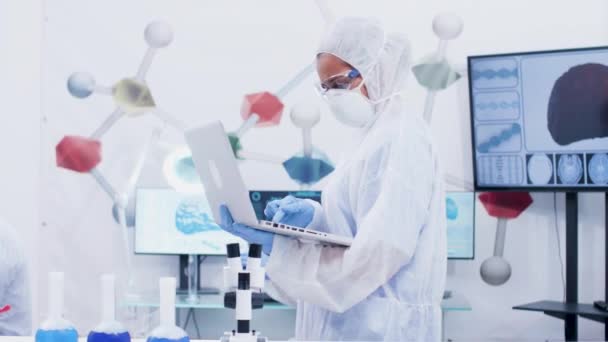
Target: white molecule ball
x,y
447,26
305,115
158,34
81,84
495,271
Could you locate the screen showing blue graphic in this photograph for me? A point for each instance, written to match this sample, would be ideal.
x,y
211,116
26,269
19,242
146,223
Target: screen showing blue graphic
x,y
540,120
460,212
168,222
259,198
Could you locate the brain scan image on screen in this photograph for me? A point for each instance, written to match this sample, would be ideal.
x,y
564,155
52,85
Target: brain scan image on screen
x,y
548,109
569,168
540,169
598,168
578,102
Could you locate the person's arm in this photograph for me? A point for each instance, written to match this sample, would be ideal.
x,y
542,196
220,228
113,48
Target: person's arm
x,y
318,219
392,210
278,295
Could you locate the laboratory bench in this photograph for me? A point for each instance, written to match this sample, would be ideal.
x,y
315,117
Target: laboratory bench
x,y
456,302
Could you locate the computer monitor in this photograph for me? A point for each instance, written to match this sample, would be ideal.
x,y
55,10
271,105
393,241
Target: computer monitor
x,y
540,120
259,198
460,211
168,222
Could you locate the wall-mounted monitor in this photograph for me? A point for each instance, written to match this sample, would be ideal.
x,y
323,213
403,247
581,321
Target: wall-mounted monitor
x,y
540,120
460,213
169,222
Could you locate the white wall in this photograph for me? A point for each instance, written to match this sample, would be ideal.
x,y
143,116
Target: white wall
x,y
212,54
20,32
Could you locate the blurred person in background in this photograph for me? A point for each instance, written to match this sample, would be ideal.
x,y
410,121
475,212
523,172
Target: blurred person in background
x,y
15,307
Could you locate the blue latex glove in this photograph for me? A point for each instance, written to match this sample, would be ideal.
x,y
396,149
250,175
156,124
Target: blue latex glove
x,y
290,210
245,232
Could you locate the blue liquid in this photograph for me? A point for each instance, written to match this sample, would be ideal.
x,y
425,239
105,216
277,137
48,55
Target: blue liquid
x,y
95,336
162,339
65,335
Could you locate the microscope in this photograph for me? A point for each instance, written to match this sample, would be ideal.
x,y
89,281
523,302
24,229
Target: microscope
x,y
243,291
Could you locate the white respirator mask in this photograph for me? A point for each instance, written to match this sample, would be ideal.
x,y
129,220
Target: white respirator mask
x,y
351,107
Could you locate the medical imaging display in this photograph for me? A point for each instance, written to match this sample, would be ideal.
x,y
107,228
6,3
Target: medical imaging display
x,y
460,211
168,222
540,119
259,198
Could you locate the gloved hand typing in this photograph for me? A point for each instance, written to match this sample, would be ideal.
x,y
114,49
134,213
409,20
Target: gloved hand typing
x,y
245,232
290,210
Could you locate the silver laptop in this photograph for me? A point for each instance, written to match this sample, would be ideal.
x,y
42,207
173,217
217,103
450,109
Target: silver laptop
x,y
221,178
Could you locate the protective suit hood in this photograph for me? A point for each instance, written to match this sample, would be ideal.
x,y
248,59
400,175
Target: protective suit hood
x,y
382,58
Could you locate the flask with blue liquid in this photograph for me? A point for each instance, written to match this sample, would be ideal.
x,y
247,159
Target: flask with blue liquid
x,y
109,330
167,331
56,328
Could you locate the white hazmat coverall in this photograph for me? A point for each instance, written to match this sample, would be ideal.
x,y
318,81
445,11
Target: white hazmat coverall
x,y
14,285
387,193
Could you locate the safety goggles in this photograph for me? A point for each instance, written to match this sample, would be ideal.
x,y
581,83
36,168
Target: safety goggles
x,y
339,81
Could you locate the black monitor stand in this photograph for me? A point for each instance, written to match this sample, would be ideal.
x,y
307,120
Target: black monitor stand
x,y
571,309
185,274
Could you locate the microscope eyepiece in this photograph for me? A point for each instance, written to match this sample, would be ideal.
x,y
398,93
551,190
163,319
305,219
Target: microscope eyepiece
x,y
255,250
233,250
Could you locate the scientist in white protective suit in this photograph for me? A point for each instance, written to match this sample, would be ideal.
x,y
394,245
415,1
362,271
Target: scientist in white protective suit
x,y
386,193
15,310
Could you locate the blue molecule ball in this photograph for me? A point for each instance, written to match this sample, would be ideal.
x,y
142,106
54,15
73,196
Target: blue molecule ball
x,y
81,84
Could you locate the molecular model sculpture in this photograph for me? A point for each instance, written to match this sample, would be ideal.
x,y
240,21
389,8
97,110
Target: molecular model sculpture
x,y
133,98
265,109
505,206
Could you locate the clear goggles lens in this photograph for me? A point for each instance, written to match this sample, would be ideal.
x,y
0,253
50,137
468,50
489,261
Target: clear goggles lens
x,y
340,81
